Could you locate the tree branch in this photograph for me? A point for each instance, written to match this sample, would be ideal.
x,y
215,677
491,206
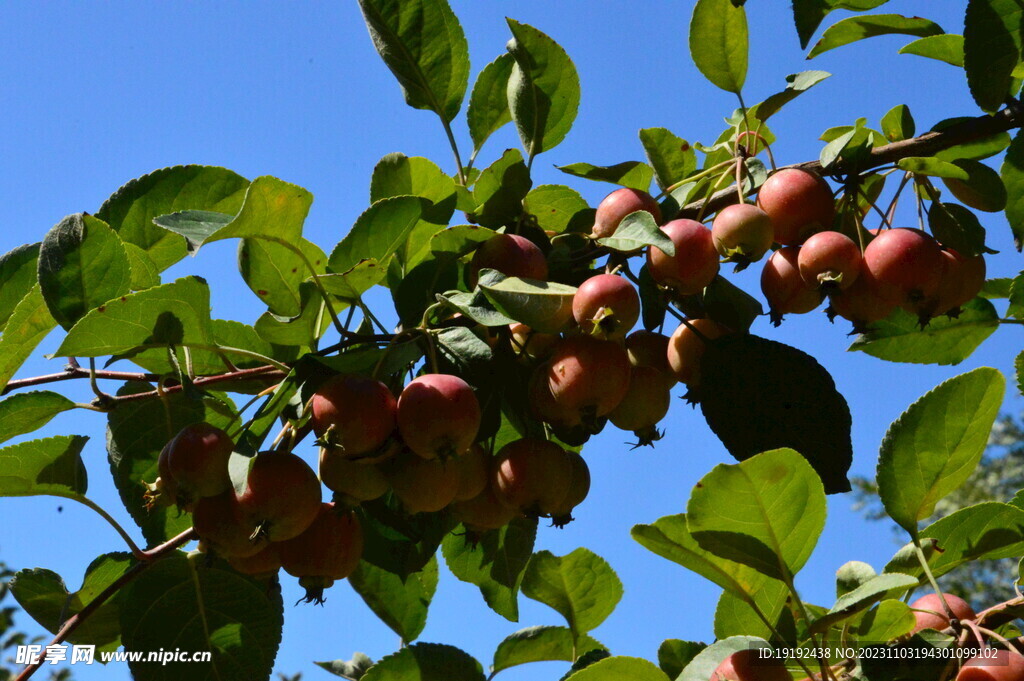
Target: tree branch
x,y
924,145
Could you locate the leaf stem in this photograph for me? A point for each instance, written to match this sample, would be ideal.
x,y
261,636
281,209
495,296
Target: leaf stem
x,y
455,150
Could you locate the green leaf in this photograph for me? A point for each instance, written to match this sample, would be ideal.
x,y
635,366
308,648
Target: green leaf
x,y
131,209
671,157
719,43
378,232
458,240
544,306
985,531
736,616
426,662
541,644
476,307
352,284
899,338
832,151
1012,173
17,277
863,597
730,305
992,49
982,190
400,604
44,596
303,329
500,190
423,44
28,325
653,301
559,209
948,47
620,667
638,230
852,575
890,620
1018,367
705,663
957,227
797,84
418,290
172,314
633,174
136,432
273,272
186,603
789,401
852,29
766,512
82,264
49,466
464,352
809,13
195,225
399,175
580,586
145,273
543,89
353,669
674,655
998,288
898,123
25,412
935,445
488,104
929,165
495,563
978,149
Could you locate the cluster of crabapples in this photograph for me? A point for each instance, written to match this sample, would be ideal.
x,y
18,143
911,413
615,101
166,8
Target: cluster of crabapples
x,y
795,210
930,612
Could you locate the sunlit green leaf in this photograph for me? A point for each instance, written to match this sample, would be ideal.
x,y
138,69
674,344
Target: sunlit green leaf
x,y
488,104
948,47
852,29
719,43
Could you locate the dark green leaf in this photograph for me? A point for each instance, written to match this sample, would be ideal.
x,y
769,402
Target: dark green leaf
x,y
638,230
890,620
423,44
45,597
1012,173
977,149
633,174
899,338
17,277
935,445
302,330
674,655
542,305
730,305
898,123
671,157
273,272
195,225
543,89
49,466
399,175
378,233
809,13
929,165
736,616
948,47
464,352
557,208
541,644
852,29
789,401
28,325
500,190
400,604
131,209
353,669
25,412
82,264
620,667
992,49
719,43
1018,367
417,291
478,308
796,84
580,586
488,104
352,284
957,228
145,273
653,302
458,240
863,597
426,662
495,564
982,190
181,602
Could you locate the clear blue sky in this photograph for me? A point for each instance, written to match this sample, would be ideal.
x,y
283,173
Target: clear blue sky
x,y
95,94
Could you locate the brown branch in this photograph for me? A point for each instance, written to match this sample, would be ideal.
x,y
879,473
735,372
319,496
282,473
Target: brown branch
x,y
924,145
134,571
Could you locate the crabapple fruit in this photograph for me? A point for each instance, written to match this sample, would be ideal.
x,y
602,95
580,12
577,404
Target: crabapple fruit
x,y
474,472
799,203
353,415
529,343
281,498
617,205
747,665
354,481
961,281
1004,665
784,288
328,550
218,522
197,460
742,233
860,304
264,563
829,260
695,263
685,348
588,376
484,512
422,485
438,416
649,349
510,254
905,266
646,403
543,406
579,488
606,306
532,476
935,617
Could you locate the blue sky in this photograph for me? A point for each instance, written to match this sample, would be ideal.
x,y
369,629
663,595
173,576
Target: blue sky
x,y
95,94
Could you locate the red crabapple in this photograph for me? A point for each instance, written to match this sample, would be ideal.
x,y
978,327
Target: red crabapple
x,y
742,233
799,203
510,254
695,263
617,205
438,416
784,288
353,415
606,306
